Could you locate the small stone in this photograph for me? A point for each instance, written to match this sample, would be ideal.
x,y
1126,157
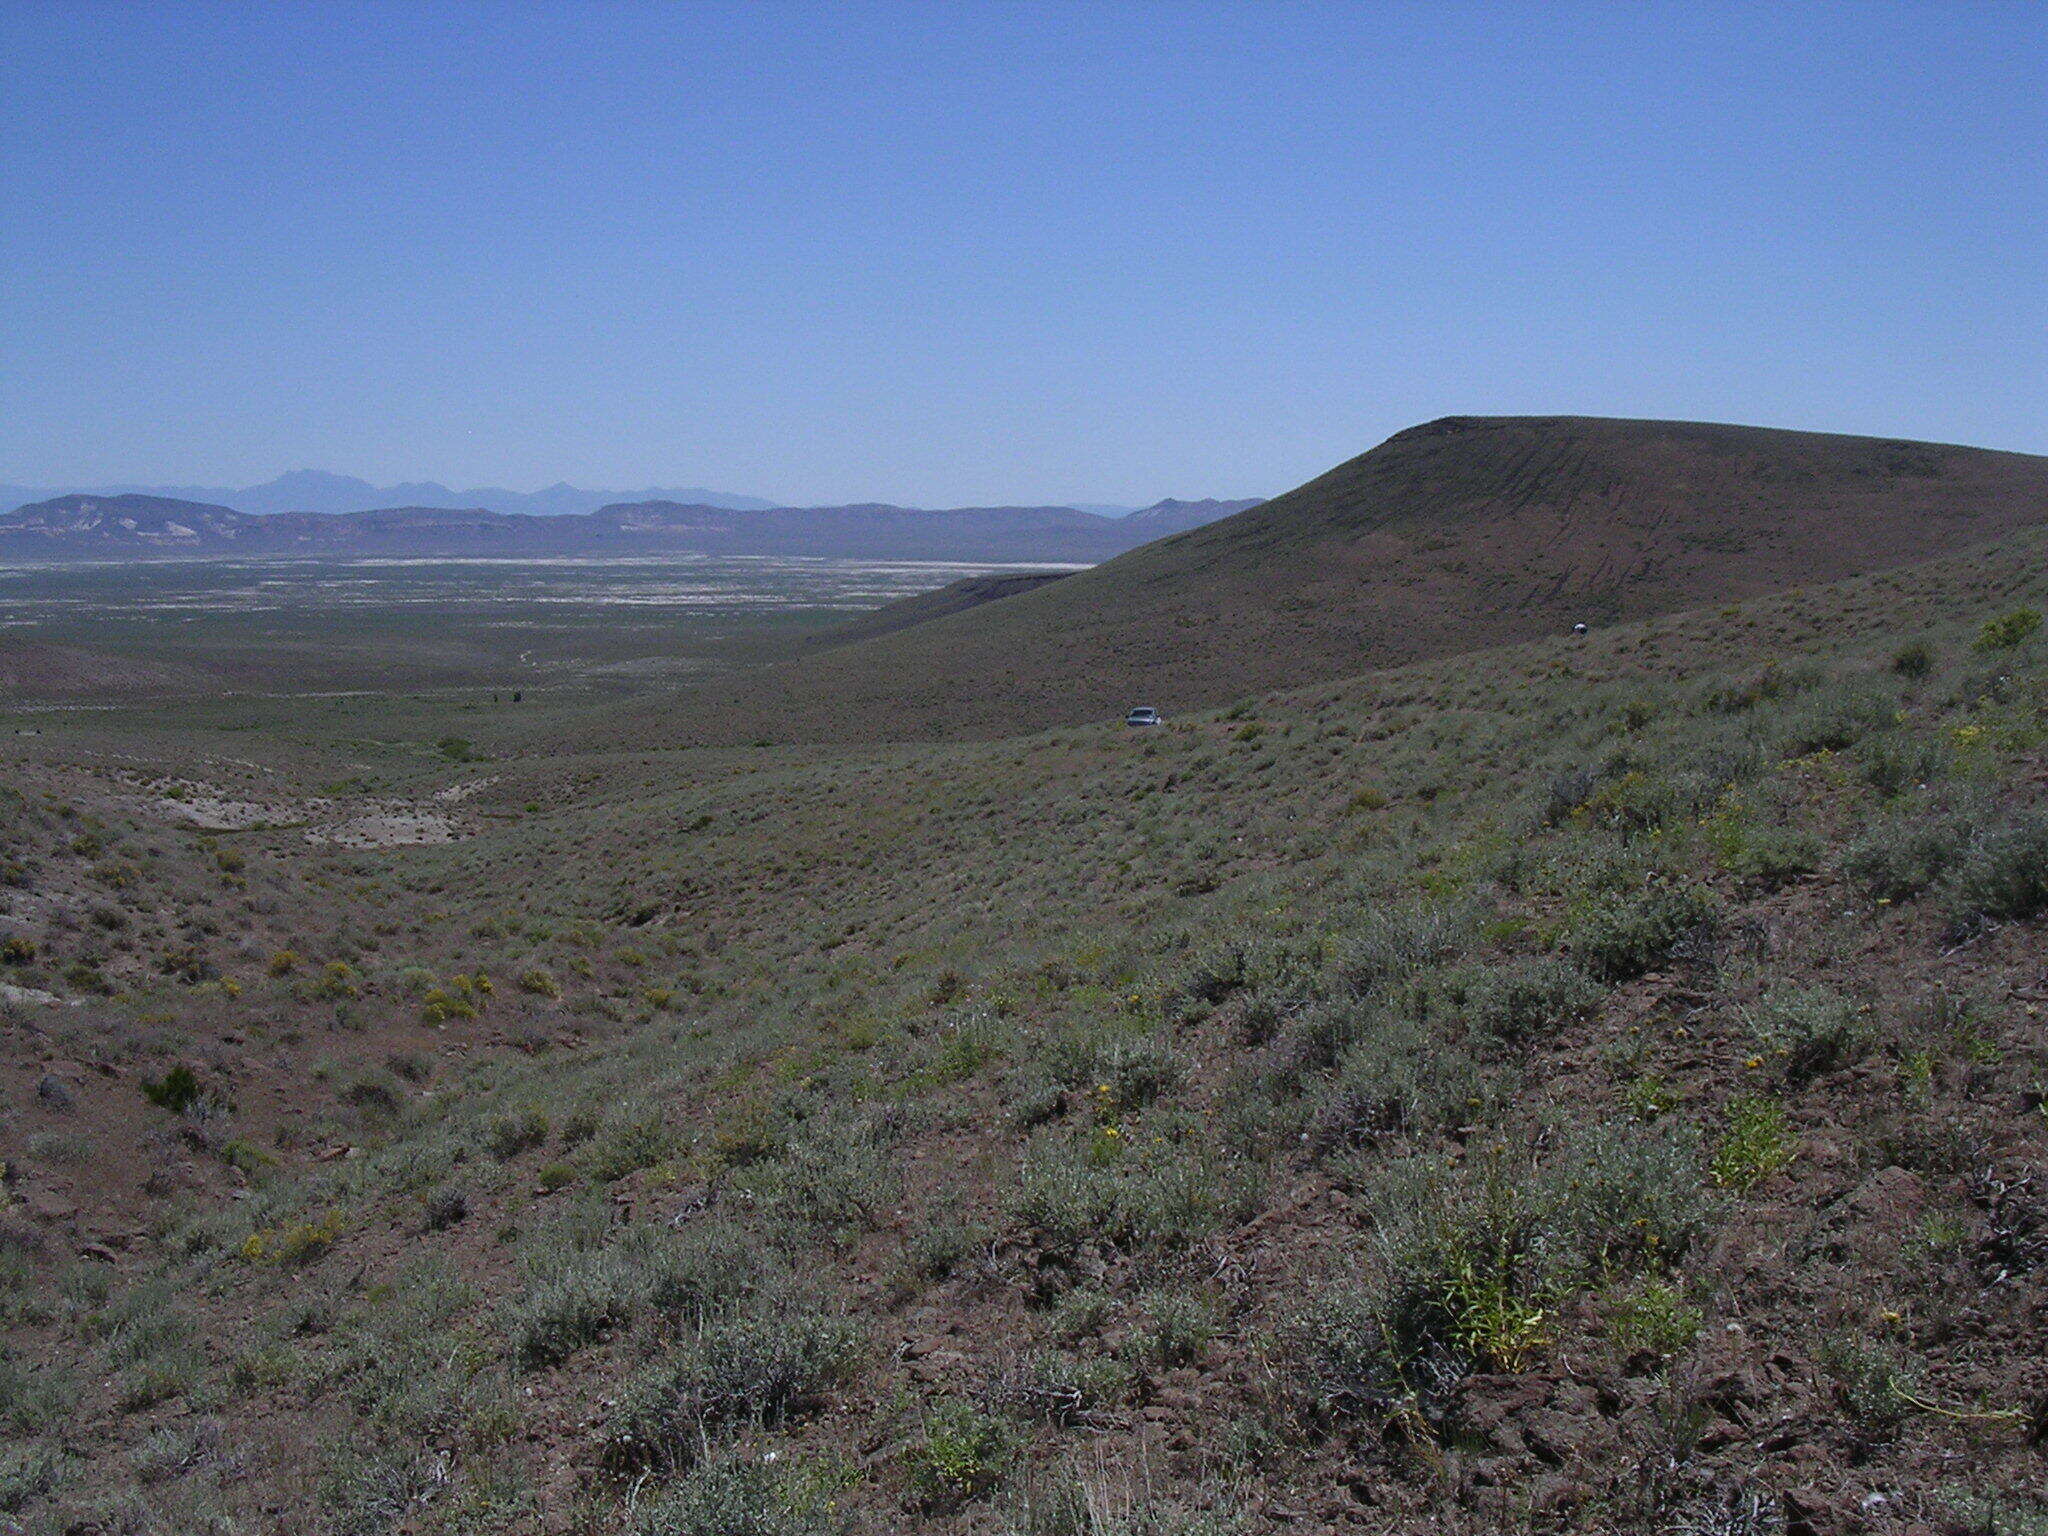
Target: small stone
x,y
50,1207
52,1093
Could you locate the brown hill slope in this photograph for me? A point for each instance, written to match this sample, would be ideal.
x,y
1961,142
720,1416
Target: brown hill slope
x,y
35,670
1462,533
939,603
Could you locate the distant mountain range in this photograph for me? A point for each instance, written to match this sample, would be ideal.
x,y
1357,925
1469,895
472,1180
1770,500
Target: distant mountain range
x,y
315,490
138,526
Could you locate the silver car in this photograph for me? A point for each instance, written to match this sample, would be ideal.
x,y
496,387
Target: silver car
x,y
1144,715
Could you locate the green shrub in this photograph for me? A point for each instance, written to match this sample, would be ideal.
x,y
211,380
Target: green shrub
x,y
1906,853
1808,1030
573,1305
177,1090
1393,942
554,1176
338,980
1070,1389
444,1005
1835,721
1761,852
1638,805
1648,1097
753,1369
959,1456
1519,1000
1472,1258
1099,1502
2002,877
1170,1329
740,1493
1149,1197
374,1092
27,1472
522,1130
627,1146
2007,630
1400,1077
295,1242
1913,659
541,983
1754,1146
835,1173
1654,1319
1620,937
705,1273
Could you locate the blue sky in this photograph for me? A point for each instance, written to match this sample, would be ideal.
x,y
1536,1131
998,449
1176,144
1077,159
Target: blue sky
x,y
963,252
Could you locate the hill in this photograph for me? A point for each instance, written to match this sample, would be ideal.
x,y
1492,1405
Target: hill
x,y
956,597
1459,534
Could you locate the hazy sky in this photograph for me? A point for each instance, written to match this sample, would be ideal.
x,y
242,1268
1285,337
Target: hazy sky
x,y
970,252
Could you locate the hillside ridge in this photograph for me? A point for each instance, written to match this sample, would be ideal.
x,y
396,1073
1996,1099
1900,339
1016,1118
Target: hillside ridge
x,y
1450,536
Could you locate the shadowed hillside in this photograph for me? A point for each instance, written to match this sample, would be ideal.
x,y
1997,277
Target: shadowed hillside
x,y
955,597
1462,533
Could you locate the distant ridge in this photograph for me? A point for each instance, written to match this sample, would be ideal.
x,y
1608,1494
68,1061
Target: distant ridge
x,y
1177,515
1451,536
142,527
315,490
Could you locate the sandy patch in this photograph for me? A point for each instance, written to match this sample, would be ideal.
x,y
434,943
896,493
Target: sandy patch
x,y
33,995
214,815
455,794
386,829
365,823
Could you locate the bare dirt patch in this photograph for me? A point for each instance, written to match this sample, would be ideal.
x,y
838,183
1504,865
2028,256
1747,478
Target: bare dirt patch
x,y
386,829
